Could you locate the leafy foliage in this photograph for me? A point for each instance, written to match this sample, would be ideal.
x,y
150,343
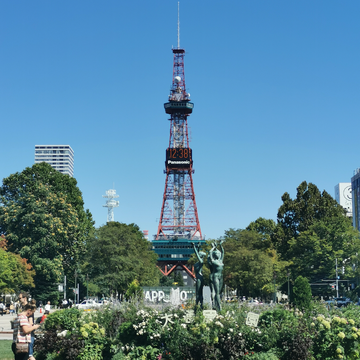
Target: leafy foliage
x,y
250,263
117,254
15,272
43,219
302,293
134,290
312,232
134,332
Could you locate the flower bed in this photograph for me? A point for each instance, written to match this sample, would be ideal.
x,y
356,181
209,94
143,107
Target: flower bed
x,y
132,331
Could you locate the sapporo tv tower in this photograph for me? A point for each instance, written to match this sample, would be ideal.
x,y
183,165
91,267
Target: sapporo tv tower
x,y
179,224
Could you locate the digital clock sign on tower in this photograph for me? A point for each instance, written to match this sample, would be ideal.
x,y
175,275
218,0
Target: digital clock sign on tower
x,y
179,217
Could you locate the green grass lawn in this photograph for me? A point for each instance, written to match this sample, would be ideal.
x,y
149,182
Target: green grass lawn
x,y
5,350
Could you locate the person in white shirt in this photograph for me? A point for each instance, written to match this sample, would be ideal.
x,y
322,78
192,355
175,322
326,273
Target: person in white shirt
x,y
2,308
47,306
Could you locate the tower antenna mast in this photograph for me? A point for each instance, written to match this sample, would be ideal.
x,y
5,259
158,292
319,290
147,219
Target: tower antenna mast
x,y
178,25
111,203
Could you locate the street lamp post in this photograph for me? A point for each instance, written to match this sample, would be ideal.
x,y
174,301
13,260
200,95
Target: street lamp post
x,y
87,286
274,287
75,288
337,278
288,276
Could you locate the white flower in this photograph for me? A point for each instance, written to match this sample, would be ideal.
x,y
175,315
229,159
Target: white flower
x,y
175,316
218,323
231,330
62,334
183,325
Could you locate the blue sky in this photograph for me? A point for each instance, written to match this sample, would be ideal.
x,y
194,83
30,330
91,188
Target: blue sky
x,y
275,86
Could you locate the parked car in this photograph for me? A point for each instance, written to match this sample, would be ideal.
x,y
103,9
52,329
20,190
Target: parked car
x,y
87,304
342,301
103,303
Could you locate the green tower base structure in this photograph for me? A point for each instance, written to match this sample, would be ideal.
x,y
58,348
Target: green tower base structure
x,y
175,253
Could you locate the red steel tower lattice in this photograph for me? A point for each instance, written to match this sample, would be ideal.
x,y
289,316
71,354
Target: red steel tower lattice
x,y
179,216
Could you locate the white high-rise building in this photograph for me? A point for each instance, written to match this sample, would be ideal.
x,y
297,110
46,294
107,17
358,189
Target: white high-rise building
x,y
343,195
60,157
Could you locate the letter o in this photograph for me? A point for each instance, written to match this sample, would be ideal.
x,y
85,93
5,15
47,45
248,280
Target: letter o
x,y
183,295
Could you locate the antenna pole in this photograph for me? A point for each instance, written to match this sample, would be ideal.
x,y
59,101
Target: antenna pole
x,y
178,24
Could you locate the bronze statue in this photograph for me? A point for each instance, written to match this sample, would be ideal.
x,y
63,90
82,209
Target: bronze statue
x,y
216,265
198,273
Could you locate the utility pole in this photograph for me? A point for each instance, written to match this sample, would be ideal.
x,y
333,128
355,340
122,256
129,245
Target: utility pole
x,y
274,287
75,288
87,286
288,276
337,279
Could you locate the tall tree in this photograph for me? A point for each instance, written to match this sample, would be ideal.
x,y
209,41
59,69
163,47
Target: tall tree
x,y
119,254
314,252
302,293
312,232
15,272
264,227
299,214
43,219
250,263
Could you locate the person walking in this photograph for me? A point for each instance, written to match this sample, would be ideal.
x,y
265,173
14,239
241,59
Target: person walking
x,y
21,334
2,308
32,334
47,306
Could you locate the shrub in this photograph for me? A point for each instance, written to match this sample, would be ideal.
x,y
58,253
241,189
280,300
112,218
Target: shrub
x,y
302,293
263,356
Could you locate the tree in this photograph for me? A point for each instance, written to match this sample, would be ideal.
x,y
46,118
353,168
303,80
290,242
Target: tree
x,y
312,232
314,252
174,279
299,214
264,227
43,219
250,263
134,290
302,293
118,254
15,273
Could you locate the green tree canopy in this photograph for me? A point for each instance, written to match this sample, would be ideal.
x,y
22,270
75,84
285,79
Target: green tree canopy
x,y
312,232
43,219
250,263
302,293
314,252
299,214
264,227
117,255
15,272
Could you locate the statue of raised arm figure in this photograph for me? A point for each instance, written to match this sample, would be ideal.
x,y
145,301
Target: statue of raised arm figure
x,y
216,265
198,274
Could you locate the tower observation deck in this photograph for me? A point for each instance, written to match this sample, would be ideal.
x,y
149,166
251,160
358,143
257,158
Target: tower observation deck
x,y
179,224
